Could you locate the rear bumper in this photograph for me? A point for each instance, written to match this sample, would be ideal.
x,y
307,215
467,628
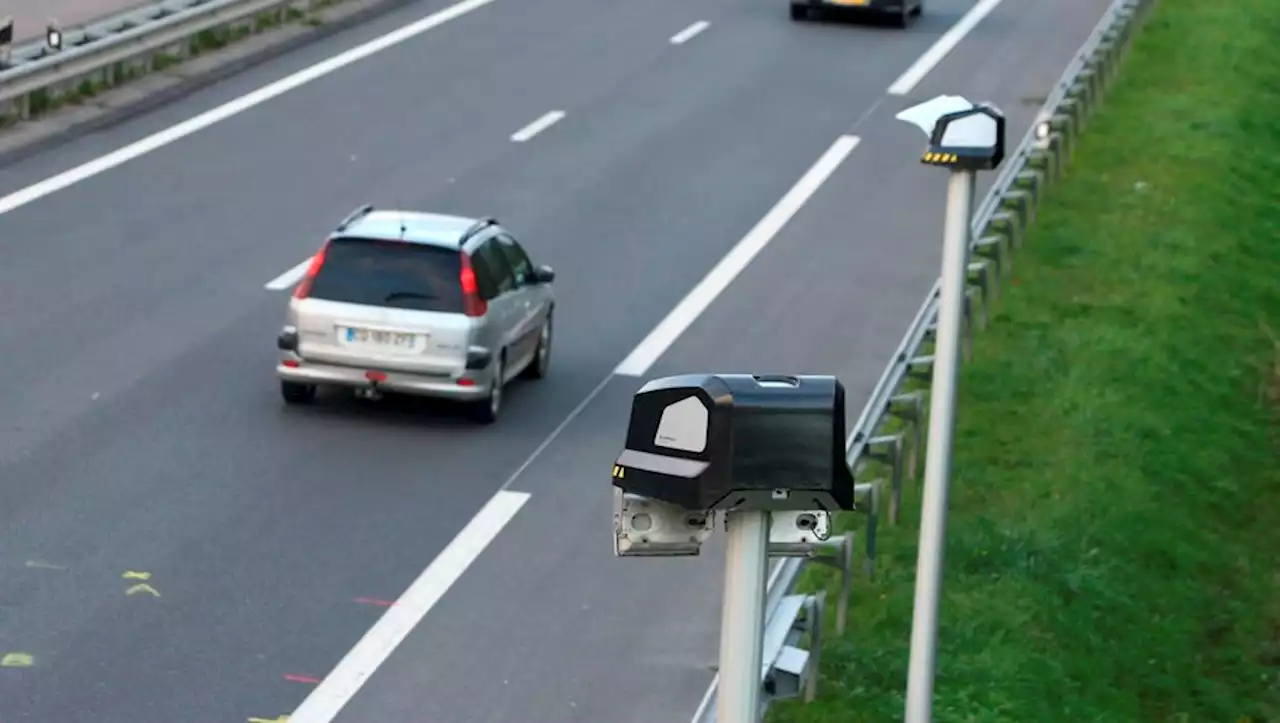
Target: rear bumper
x,y
875,6
444,387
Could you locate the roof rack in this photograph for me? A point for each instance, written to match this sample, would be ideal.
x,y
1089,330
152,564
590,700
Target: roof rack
x,y
477,227
364,210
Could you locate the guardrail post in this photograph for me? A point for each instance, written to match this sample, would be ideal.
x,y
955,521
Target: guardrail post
x,y
870,491
1107,54
179,51
1003,221
842,559
909,408
793,671
888,450
970,320
1045,160
1063,125
815,613
1072,107
1028,189
970,309
920,367
983,276
1080,99
994,249
1021,204
1086,86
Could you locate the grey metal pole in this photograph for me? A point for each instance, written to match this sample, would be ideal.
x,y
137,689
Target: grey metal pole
x,y
968,227
746,573
937,470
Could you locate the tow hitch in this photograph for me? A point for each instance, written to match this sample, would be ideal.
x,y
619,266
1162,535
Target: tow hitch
x,y
372,392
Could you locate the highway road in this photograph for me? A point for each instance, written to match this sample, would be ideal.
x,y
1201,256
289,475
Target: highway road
x,y
145,449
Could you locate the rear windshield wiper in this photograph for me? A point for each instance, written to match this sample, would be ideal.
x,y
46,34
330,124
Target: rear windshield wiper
x,y
397,295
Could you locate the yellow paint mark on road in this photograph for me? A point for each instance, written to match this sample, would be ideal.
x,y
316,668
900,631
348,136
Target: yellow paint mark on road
x,y
142,587
42,565
281,719
17,660
131,575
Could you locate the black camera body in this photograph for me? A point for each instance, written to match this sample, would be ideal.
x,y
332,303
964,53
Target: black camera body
x,y
738,442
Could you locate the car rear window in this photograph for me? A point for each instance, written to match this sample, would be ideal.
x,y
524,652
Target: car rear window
x,y
390,273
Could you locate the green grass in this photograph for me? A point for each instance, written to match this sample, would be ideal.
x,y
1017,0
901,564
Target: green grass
x,y
1114,541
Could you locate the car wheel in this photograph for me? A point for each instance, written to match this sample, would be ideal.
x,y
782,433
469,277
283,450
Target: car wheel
x,y
488,409
297,393
903,18
799,12
537,369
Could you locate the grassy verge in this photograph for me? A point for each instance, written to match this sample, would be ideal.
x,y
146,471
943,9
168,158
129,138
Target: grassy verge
x,y
1114,543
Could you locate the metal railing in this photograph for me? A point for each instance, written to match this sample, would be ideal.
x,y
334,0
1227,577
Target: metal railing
x,y
108,52
999,224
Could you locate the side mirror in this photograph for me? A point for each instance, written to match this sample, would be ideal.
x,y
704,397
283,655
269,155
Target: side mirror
x,y
543,275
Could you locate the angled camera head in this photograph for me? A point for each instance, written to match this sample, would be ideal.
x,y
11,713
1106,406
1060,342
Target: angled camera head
x,y
968,140
738,442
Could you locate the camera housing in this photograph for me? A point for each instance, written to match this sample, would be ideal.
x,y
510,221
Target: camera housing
x,y
738,442
967,140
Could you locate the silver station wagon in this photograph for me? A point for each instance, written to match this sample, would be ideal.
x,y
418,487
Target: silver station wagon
x,y
417,303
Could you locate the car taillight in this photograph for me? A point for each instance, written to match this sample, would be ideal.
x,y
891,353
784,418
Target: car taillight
x,y
472,303
304,287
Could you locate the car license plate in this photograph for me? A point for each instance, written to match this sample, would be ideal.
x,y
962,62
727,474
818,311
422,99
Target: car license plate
x,y
377,337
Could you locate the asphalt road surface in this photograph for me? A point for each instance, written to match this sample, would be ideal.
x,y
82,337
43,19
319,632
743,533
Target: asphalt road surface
x,y
144,448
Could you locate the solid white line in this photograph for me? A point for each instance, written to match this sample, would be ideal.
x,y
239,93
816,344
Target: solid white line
x,y
290,277
719,278
239,105
945,44
357,666
687,34
338,687
547,120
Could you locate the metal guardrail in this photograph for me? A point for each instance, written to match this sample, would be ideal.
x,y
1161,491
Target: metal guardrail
x,y
999,225
105,53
